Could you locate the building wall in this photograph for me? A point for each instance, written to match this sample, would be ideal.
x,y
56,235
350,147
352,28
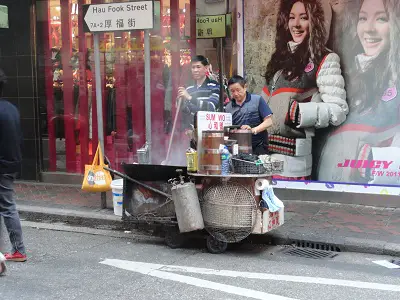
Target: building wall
x,y
203,8
17,59
206,47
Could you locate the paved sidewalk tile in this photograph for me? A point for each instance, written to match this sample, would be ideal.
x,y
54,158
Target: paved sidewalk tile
x,y
58,195
323,220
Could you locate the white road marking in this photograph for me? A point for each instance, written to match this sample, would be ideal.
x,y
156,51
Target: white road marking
x,y
164,271
386,264
156,270
290,278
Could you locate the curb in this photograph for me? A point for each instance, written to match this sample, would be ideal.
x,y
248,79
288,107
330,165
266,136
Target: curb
x,y
348,244
72,217
103,218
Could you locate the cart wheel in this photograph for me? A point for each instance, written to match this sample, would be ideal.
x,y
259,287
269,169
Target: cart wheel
x,y
215,246
174,239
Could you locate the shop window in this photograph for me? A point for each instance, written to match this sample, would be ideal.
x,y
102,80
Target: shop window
x,y
70,135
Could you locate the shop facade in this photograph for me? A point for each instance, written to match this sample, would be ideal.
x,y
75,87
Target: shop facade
x,y
49,62
50,65
18,60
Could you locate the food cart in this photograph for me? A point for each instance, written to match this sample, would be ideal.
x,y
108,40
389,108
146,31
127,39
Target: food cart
x,y
231,210
228,208
230,203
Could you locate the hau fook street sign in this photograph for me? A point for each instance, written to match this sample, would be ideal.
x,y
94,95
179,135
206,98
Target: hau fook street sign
x,y
125,16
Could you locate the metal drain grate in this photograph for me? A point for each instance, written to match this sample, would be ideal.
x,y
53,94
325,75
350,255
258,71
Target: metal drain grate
x,y
309,253
317,246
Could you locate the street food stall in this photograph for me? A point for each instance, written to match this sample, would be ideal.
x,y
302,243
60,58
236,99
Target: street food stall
x,y
224,191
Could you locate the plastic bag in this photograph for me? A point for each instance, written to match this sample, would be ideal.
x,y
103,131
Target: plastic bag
x,y
272,201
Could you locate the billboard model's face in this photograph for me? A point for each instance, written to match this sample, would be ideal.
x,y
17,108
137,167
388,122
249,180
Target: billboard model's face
x,y
373,27
299,23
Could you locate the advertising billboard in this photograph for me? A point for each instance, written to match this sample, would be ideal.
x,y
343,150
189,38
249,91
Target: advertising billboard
x,y
329,71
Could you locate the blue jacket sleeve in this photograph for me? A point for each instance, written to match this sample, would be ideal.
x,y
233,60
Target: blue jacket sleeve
x,y
214,98
264,109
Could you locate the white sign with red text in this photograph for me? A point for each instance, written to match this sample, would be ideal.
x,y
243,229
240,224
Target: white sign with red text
x,y
267,221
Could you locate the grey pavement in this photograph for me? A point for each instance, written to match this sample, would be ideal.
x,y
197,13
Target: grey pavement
x,y
343,227
65,263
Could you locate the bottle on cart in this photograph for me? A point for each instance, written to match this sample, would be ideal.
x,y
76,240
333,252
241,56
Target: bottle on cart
x,y
191,160
225,156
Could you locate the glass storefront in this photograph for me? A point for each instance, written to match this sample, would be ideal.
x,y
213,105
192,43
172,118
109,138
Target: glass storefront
x,y
68,119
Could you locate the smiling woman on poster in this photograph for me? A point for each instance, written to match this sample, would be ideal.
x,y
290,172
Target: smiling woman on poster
x,y
371,133
305,87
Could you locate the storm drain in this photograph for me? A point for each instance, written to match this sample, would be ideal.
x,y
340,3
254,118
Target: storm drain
x,y
309,253
317,246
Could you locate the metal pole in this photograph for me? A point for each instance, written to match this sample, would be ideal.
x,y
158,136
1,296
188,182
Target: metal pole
x,y
240,36
221,74
99,100
147,90
99,104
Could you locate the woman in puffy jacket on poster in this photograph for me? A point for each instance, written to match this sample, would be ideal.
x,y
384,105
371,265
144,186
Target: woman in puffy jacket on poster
x,y
371,133
305,87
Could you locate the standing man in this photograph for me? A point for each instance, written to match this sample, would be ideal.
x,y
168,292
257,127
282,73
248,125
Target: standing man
x,y
250,112
202,96
10,164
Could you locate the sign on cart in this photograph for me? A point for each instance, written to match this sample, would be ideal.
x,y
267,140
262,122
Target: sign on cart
x,y
207,120
123,16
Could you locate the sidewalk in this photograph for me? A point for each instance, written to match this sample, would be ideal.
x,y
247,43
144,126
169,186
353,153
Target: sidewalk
x,y
354,228
57,195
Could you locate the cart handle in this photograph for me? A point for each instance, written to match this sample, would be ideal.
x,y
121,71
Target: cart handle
x,y
138,182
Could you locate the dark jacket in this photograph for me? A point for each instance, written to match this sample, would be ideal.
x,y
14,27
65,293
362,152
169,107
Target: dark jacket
x,y
204,98
10,138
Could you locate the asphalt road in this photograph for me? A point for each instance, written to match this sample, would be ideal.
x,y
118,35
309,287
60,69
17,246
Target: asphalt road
x,y
100,264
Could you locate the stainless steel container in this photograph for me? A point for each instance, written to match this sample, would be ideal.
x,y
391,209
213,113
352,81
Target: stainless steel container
x,y
187,207
143,154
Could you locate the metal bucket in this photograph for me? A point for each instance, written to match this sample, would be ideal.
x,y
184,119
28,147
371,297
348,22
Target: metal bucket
x,y
243,138
187,207
143,154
